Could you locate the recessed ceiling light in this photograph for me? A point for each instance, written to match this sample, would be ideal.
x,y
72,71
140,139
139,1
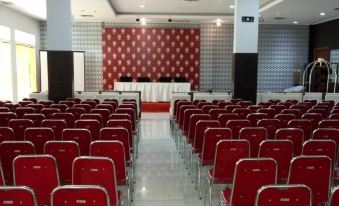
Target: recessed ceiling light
x,y
232,6
322,14
141,6
295,22
143,21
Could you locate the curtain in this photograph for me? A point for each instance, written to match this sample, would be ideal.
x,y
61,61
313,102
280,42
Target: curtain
x,y
6,87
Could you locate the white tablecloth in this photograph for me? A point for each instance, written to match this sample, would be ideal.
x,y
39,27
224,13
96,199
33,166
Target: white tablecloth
x,y
153,92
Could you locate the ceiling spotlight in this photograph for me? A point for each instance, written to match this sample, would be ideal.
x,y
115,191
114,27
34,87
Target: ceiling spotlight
x,y
143,21
322,14
218,22
232,6
141,6
295,22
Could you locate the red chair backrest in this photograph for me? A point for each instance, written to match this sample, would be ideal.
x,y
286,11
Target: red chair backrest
x,y
104,114
245,104
64,153
304,124
271,125
76,111
35,117
254,108
57,125
236,125
131,113
92,116
216,112
285,118
211,138
302,108
250,175
282,195
8,151
48,112
21,111
39,136
17,196
6,134
91,103
71,194
314,117
314,172
296,112
109,107
282,152
269,111
334,116
68,117
38,172
181,116
321,147
323,112
207,108
193,124
334,197
329,123
80,136
224,118
19,126
255,117
187,116
228,152
96,171
92,125
61,107
255,135
124,123
202,126
68,103
327,133
87,107
75,100
242,112
36,107
114,150
117,134
46,103
230,108
295,135
114,104
278,108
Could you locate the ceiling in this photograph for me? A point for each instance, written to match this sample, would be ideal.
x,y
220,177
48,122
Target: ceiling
x,y
183,11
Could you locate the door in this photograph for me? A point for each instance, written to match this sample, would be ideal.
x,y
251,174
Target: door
x,y
324,53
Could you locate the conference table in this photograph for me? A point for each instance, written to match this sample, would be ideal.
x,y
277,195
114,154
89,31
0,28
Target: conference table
x,y
153,91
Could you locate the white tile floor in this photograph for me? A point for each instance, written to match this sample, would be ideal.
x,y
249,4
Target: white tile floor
x,y
162,179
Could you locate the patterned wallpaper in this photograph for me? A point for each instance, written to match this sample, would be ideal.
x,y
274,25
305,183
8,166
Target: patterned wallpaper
x,y
283,50
335,56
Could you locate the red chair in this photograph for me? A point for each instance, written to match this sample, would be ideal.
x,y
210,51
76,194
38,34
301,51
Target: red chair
x,y
286,104
38,172
177,103
271,125
5,117
75,100
334,116
335,111
19,126
329,123
314,172
68,103
283,195
61,107
292,101
197,101
130,106
282,152
104,115
255,108
114,150
120,116
186,120
181,115
64,153
92,125
227,154
216,112
46,103
255,117
91,103
278,108
313,102
236,100
236,125
269,111
76,111
223,104
245,104
194,119
242,112
314,117
4,109
112,103
11,106
224,118
17,196
274,101
78,195
30,99
131,113
327,133
304,124
201,127
309,105
295,135
250,175
97,171
296,112
57,125
302,108
80,136
200,105
36,107
109,107
24,103
254,135
207,108
6,134
39,136
35,117
285,118
68,117
87,107
92,116
21,111
323,112
330,103
334,200
128,126
8,151
230,108
48,112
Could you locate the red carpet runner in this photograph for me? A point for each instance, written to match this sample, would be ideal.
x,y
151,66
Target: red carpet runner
x,y
155,106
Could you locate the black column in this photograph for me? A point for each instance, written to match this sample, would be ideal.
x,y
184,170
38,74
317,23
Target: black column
x,y
244,69
60,75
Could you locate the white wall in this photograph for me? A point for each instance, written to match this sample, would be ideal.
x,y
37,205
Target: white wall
x,y
18,21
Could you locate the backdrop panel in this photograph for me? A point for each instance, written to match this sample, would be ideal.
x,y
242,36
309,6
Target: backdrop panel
x,y
151,52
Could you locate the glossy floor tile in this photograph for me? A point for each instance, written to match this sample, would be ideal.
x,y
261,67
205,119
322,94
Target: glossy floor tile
x,y
162,179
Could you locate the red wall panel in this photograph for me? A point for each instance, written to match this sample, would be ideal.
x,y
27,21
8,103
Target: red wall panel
x,y
139,52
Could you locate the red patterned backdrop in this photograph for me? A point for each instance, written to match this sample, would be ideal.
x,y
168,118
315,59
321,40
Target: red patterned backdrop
x,y
139,52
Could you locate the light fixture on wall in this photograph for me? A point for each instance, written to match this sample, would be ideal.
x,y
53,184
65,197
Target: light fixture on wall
x,y
143,21
218,22
295,22
232,6
322,14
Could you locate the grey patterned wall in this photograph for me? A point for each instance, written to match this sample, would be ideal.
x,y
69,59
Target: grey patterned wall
x,y
283,50
335,56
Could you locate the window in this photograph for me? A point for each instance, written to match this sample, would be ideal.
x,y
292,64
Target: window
x,y
6,85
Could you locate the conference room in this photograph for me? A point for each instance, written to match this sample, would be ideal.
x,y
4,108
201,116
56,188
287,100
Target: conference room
x,y
169,103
